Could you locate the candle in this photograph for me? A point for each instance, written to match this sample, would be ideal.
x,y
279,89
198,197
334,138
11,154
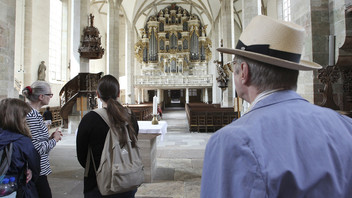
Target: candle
x,y
331,50
154,105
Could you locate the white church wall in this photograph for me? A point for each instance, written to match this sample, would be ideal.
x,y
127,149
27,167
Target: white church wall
x,y
37,42
100,20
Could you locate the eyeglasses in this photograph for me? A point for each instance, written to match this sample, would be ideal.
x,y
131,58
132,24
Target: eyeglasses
x,y
50,95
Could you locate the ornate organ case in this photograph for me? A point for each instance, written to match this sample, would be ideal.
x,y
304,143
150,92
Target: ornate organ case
x,y
174,50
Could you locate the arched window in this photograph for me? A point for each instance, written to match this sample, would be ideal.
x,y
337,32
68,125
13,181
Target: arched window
x,y
56,71
286,10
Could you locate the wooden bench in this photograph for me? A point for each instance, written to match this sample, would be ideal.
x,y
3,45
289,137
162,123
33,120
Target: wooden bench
x,y
208,117
142,111
55,111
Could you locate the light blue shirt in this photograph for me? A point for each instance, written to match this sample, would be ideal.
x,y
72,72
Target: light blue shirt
x,y
283,147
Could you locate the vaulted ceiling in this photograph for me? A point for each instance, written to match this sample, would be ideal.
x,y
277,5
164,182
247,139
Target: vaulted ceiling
x,y
138,11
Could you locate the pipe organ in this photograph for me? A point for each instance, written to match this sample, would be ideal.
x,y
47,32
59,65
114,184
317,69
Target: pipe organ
x,y
173,42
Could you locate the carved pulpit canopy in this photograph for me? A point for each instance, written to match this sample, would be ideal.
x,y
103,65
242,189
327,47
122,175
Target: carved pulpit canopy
x,y
91,42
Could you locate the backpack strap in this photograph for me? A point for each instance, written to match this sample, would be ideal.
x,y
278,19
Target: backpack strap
x,y
103,114
89,155
5,160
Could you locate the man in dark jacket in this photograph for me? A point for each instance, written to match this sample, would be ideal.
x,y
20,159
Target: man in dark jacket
x,y
47,114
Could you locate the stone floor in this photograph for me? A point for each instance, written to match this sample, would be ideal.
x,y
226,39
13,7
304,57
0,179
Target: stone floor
x,y
179,163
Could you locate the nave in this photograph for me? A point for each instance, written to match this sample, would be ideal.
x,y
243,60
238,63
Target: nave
x,y
179,163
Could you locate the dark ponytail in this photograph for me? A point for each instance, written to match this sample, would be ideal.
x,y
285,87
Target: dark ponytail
x,y
109,89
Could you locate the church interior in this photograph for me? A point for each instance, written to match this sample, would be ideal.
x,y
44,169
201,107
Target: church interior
x,y
164,49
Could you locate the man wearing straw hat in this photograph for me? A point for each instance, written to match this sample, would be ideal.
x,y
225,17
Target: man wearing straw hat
x,y
283,146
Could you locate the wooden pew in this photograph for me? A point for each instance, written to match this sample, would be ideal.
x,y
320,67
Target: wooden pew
x,y
142,111
55,111
208,117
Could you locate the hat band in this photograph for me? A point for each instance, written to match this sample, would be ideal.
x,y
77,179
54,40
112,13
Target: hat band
x,y
265,50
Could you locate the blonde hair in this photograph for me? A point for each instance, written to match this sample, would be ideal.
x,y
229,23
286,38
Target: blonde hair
x,y
13,116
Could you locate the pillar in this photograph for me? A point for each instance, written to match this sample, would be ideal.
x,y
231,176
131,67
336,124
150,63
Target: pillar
x,y
113,38
216,91
228,36
206,100
159,95
187,95
79,18
7,48
129,62
138,96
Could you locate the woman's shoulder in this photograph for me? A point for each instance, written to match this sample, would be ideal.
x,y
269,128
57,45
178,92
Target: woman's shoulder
x,y
33,114
24,139
92,117
24,142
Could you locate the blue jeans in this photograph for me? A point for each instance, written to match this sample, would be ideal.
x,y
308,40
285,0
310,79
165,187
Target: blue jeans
x,y
95,194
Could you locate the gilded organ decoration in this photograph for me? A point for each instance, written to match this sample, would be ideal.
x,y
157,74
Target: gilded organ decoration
x,y
174,42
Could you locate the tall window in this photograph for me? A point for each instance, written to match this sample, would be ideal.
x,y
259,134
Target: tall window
x,y
286,8
55,41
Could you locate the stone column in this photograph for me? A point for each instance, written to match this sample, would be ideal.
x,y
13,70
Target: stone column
x,y
19,46
7,48
216,91
113,38
318,52
79,18
159,95
228,36
84,22
139,96
206,100
129,62
249,10
187,95
142,95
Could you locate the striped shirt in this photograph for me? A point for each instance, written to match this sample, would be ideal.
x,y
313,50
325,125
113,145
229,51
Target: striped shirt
x,y
40,139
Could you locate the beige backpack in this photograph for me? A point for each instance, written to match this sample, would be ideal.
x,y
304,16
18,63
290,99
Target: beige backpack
x,y
120,169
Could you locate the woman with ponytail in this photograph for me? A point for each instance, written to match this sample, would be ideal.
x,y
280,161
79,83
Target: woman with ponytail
x,y
92,132
39,95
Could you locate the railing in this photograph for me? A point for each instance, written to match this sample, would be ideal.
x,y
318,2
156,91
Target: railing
x,y
176,80
84,84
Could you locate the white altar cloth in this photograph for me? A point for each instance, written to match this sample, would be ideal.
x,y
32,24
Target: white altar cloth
x,y
147,127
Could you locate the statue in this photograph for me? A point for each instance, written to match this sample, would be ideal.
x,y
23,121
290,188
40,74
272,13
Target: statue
x,y
91,20
41,71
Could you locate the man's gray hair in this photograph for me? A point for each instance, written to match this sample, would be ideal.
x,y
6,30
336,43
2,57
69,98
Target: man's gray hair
x,y
266,76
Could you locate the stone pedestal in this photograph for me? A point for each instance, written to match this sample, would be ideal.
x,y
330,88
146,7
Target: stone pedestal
x,y
73,123
147,144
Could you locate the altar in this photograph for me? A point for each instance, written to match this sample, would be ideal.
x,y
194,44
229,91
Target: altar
x,y
147,140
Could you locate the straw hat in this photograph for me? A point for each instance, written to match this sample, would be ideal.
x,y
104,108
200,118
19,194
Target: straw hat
x,y
274,42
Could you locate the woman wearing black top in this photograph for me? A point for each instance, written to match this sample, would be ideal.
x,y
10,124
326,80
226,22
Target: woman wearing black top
x,y
92,132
